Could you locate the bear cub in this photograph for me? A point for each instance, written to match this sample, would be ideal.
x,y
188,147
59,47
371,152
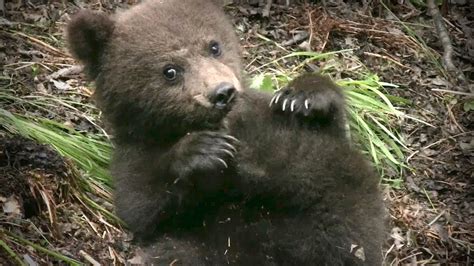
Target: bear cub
x,y
208,172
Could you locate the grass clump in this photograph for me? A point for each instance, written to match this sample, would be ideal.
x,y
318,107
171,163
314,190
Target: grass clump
x,y
89,153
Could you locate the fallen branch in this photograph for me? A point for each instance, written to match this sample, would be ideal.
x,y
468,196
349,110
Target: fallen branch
x,y
445,41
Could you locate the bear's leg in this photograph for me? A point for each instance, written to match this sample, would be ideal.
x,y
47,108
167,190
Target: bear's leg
x,y
155,186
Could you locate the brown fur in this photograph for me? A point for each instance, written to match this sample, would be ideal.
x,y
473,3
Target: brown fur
x,y
289,191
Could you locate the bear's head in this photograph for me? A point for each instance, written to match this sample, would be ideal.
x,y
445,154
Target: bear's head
x,y
162,68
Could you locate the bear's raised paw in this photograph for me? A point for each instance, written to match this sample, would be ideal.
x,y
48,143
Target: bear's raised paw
x,y
310,98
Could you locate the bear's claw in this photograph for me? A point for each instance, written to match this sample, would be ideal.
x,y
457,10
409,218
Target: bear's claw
x,y
306,104
221,161
292,105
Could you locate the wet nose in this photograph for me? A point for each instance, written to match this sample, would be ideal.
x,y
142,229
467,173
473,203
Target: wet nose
x,y
222,95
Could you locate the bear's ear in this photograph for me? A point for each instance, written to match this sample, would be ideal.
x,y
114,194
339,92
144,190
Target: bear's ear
x,y
87,35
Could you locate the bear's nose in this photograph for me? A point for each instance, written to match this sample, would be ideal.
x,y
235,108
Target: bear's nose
x,y
222,95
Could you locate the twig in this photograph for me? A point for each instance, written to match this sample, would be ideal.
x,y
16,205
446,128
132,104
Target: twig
x,y
410,256
112,255
89,258
429,200
268,40
50,205
455,92
40,44
297,38
386,58
310,14
453,118
64,72
452,25
91,225
326,38
445,41
436,218
388,252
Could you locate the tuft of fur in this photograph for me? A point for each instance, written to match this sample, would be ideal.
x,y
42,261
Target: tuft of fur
x,y
245,184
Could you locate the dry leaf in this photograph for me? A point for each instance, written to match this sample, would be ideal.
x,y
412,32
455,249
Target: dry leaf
x,y
398,239
12,206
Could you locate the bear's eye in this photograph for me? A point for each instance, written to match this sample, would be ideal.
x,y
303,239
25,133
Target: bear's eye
x,y
214,48
170,73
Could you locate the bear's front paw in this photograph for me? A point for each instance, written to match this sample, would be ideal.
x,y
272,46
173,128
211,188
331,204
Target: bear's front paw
x,y
204,153
308,96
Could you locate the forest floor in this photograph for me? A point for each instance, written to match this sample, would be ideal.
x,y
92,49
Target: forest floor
x,y
431,212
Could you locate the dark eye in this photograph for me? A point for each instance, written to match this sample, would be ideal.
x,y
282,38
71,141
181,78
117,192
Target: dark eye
x,y
214,48
170,73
